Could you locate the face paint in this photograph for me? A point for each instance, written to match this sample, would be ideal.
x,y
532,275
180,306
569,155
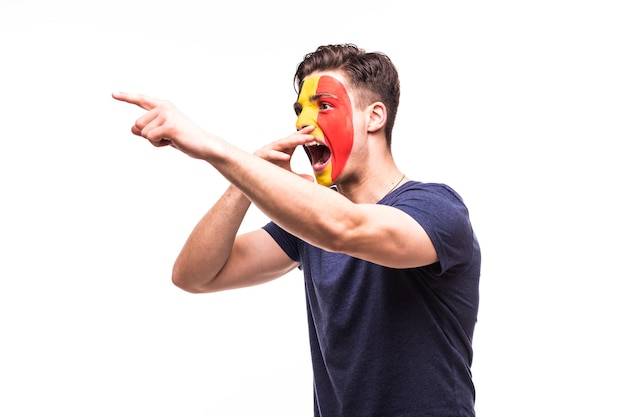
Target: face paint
x,y
325,104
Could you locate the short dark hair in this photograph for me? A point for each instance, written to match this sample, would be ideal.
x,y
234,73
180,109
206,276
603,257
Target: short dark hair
x,y
372,74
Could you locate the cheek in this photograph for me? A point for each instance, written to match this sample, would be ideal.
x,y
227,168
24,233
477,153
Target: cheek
x,y
337,127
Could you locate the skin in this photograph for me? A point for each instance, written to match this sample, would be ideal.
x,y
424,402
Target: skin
x,y
324,103
216,258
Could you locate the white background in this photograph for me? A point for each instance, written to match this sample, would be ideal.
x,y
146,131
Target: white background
x,y
520,106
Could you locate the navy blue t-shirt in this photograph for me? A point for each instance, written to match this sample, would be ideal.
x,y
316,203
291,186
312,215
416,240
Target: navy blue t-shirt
x,y
394,342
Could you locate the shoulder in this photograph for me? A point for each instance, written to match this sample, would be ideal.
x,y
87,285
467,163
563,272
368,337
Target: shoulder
x,y
425,194
440,210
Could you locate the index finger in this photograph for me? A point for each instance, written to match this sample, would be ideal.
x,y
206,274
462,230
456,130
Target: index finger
x,y
145,102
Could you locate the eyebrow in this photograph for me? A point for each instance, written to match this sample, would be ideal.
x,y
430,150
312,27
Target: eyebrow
x,y
297,106
313,98
316,97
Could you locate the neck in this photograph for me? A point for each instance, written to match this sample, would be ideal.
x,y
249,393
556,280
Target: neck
x,y
371,187
371,172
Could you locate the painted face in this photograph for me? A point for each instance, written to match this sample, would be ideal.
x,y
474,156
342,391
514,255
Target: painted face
x,y
324,103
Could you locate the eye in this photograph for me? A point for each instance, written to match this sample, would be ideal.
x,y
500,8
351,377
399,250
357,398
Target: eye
x,y
325,106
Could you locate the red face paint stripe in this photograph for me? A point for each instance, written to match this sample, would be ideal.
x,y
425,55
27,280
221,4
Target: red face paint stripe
x,y
336,123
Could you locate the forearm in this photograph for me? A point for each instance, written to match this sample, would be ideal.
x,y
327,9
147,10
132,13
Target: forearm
x,y
210,243
286,198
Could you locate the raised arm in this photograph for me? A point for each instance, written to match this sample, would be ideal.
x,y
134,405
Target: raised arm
x,y
316,214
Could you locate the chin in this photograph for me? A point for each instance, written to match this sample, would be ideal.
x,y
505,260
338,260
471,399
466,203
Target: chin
x,y
326,182
324,178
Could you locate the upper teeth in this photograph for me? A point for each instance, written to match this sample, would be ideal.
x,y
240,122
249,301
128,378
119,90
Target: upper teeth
x,y
314,143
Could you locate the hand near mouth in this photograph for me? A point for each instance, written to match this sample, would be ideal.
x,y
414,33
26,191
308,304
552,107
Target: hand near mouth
x,y
281,151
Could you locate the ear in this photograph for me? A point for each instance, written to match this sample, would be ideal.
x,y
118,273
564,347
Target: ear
x,y
377,117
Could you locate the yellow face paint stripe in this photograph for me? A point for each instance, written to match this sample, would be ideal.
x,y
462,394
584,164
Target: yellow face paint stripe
x,y
309,110
307,117
325,178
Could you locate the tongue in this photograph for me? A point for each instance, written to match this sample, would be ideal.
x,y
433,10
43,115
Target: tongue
x,y
324,157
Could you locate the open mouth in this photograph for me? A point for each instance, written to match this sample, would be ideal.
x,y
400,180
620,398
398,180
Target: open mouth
x,y
318,154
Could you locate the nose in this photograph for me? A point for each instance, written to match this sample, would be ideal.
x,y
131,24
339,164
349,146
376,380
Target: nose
x,y
306,118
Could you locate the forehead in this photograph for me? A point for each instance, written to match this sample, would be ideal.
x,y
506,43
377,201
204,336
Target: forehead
x,y
335,80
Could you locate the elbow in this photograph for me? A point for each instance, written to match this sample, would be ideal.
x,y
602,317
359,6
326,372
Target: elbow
x,y
184,285
179,280
187,281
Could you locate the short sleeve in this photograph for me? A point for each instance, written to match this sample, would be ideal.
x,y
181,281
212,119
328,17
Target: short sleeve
x,y
444,217
287,241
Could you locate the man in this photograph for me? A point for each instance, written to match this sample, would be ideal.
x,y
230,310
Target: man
x,y
391,266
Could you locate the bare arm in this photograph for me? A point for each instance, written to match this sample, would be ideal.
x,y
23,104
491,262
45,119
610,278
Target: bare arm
x,y
326,219
316,214
209,245
214,258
